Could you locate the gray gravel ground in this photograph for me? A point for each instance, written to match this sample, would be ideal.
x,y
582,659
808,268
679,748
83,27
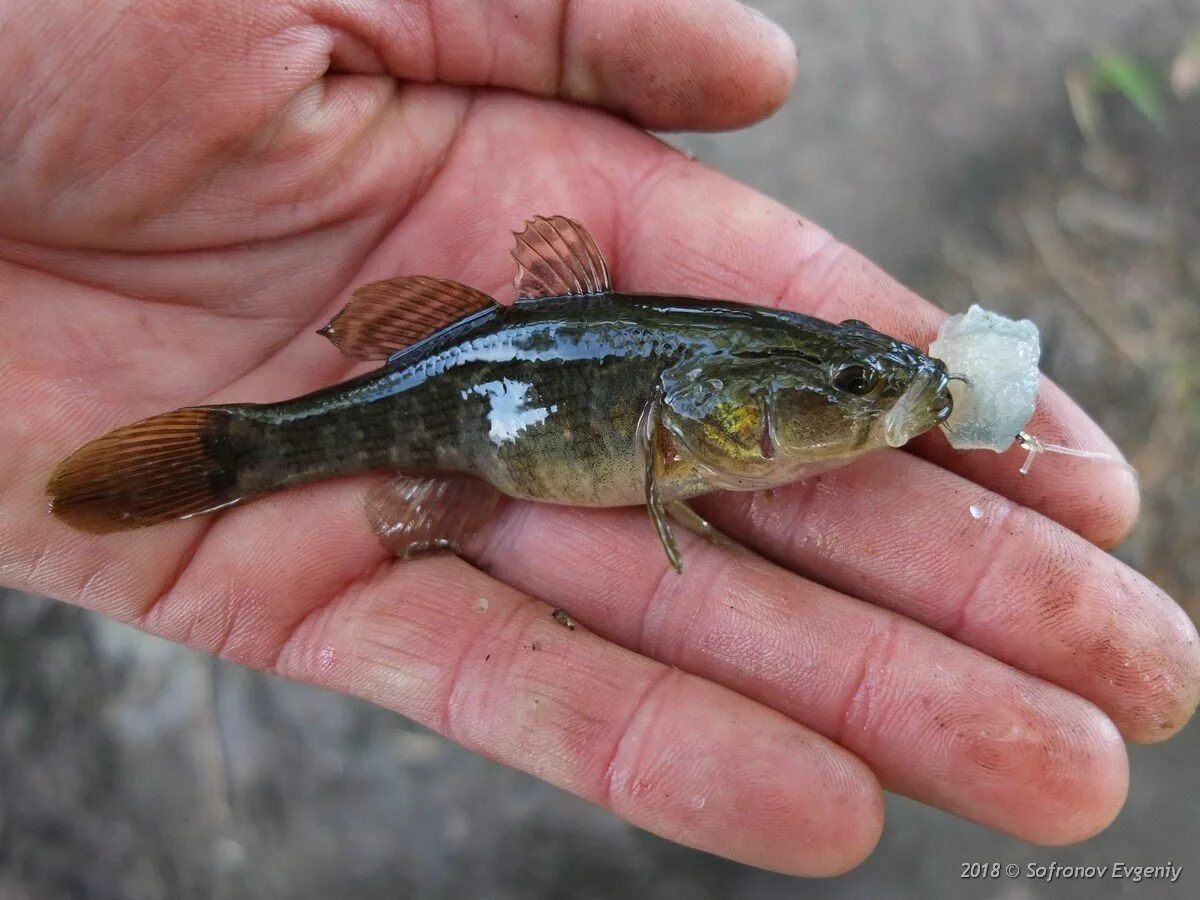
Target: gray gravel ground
x,y
927,133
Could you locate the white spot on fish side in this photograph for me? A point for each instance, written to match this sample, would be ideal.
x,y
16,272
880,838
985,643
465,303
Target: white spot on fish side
x,y
481,605
976,511
510,412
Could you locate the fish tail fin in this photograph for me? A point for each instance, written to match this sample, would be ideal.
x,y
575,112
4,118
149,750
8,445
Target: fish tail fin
x,y
166,467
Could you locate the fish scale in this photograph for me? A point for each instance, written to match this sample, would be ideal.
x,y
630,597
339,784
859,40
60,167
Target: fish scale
x,y
573,394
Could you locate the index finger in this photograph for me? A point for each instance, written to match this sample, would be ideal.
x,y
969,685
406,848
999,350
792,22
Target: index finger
x,y
667,64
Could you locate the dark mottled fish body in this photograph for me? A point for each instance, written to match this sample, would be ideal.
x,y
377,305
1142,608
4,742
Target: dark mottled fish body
x,y
536,398
574,394
541,398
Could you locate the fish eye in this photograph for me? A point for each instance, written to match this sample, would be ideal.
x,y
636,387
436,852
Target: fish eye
x,y
856,379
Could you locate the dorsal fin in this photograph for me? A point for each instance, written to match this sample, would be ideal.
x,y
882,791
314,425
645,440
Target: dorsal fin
x,y
557,257
386,316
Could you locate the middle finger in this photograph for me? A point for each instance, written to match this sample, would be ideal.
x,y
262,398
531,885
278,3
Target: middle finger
x,y
905,534
936,720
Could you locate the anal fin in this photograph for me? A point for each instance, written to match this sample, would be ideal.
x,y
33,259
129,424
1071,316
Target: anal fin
x,y
416,514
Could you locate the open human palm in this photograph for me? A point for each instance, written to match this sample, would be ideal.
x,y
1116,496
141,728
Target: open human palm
x,y
188,192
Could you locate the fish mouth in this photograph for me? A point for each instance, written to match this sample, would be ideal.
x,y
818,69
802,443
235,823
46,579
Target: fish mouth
x,y
925,403
948,404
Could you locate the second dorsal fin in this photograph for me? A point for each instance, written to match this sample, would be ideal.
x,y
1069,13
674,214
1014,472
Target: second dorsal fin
x,y
557,257
386,316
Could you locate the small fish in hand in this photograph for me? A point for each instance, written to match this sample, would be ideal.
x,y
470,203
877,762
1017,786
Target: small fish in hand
x,y
574,394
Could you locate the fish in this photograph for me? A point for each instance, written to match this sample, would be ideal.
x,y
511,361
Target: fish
x,y
574,393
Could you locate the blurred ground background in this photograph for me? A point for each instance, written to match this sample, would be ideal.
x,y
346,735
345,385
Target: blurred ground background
x,y
1043,159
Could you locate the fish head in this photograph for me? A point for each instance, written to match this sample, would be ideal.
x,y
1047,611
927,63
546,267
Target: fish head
x,y
869,390
752,416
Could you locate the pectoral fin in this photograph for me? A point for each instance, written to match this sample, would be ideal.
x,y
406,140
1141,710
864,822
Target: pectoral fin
x,y
416,514
648,442
682,512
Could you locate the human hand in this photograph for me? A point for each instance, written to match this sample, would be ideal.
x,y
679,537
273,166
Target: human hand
x,y
189,191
